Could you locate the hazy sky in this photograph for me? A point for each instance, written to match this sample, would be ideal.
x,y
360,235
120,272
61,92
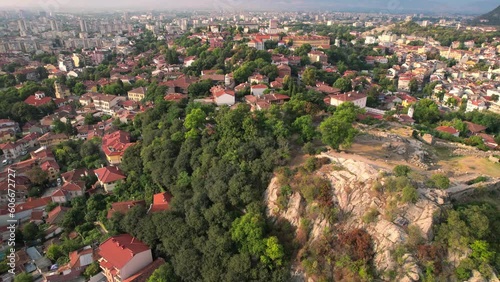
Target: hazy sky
x,y
440,6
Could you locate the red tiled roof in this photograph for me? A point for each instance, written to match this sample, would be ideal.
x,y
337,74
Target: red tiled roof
x,y
32,100
123,207
174,97
259,86
116,143
117,251
33,204
161,202
109,174
447,129
351,96
75,174
37,215
475,128
49,164
55,213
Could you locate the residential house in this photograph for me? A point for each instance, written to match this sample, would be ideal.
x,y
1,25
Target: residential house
x,y
108,177
123,256
24,210
161,202
9,125
449,130
123,207
50,139
175,97
318,56
56,216
22,183
13,150
179,85
358,99
223,96
473,105
68,192
144,274
258,79
52,169
61,90
38,99
137,94
78,262
258,90
474,129
256,43
114,146
106,103
284,70
75,175
188,61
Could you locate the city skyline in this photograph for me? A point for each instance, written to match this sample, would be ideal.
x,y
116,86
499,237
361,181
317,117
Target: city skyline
x,y
392,6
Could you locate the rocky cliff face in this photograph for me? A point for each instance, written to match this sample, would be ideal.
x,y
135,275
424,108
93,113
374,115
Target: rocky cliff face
x,y
354,195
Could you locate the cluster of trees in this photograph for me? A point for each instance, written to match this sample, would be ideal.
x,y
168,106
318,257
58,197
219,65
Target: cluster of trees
x,y
471,230
76,154
444,35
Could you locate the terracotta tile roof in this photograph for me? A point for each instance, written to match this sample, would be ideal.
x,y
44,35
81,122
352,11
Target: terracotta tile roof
x,y
175,97
75,174
32,100
115,144
33,204
55,214
346,97
447,129
161,202
117,251
109,174
49,164
139,90
37,215
475,128
259,86
123,207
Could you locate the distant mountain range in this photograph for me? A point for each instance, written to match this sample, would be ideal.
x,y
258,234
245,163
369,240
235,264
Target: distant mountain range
x,y
491,18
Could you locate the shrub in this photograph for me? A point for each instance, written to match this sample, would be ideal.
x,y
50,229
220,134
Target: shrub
x,y
401,170
440,181
370,216
309,149
478,180
410,195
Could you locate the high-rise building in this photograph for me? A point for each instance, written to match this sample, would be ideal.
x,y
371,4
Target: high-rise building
x,y
53,25
83,25
183,24
273,24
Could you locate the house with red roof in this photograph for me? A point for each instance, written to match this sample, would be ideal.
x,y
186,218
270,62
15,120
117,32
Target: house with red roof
x,y
68,192
50,139
123,256
175,97
161,202
24,210
55,216
179,85
78,262
258,90
123,207
108,177
358,99
449,130
137,94
51,167
38,99
114,146
223,96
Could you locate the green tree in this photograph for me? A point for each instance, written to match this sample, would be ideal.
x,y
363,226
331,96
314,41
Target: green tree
x,y
440,181
92,270
309,76
335,132
23,277
31,232
305,127
274,252
194,120
248,232
79,88
54,252
165,273
344,84
38,176
426,111
401,170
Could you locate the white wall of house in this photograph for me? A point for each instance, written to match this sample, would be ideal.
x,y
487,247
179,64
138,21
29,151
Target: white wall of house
x,y
258,91
137,263
225,99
